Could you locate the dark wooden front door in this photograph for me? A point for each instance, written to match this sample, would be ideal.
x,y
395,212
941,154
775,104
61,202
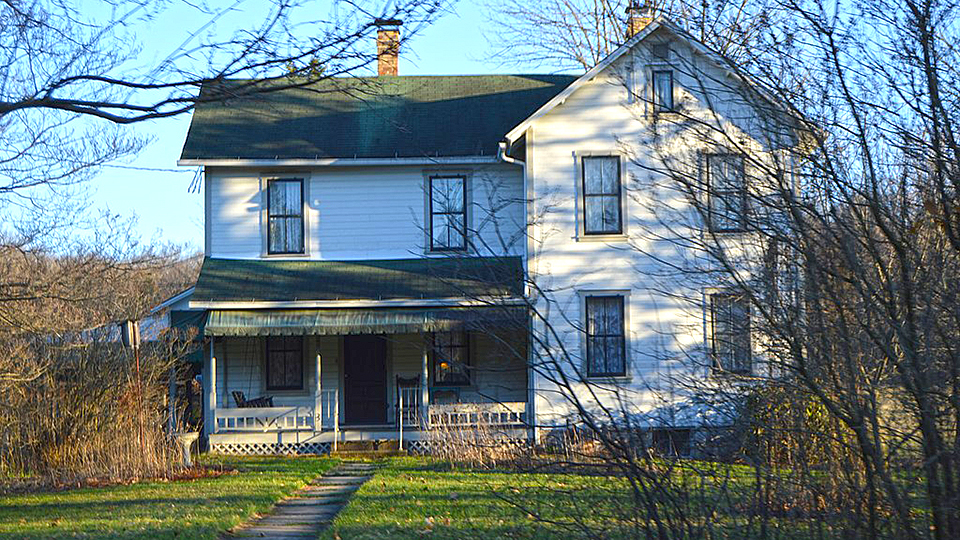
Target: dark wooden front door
x,y
365,379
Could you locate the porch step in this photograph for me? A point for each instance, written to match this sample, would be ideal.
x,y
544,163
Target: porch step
x,y
369,446
366,454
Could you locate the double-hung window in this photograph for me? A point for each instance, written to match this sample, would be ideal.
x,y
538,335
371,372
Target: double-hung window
x,y
730,335
451,357
284,216
285,363
662,91
727,193
448,213
602,206
606,343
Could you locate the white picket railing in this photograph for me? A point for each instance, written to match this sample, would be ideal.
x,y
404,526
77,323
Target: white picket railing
x,y
473,414
264,419
323,415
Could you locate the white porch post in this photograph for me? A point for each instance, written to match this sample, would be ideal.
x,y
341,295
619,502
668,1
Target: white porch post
x,y
318,398
210,423
424,385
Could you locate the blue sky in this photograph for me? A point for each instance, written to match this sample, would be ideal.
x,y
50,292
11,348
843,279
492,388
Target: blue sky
x,y
159,198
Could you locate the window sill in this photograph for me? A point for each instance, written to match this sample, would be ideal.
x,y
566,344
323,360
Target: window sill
x,y
610,379
284,255
727,374
621,237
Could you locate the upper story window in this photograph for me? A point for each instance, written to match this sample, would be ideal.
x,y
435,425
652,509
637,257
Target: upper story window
x,y
602,206
448,213
730,332
451,356
284,216
285,363
662,90
606,343
727,193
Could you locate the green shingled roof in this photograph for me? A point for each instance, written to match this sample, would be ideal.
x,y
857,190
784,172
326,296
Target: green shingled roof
x,y
370,117
230,280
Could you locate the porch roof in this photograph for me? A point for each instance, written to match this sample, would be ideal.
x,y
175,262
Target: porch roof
x,y
280,322
424,278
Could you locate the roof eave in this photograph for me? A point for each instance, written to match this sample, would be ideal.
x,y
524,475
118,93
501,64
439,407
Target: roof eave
x,y
521,128
357,304
335,162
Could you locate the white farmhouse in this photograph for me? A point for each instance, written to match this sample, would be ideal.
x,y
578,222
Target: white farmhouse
x,y
388,254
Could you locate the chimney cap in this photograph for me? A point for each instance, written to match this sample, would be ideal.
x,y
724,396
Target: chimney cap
x,y
634,6
387,22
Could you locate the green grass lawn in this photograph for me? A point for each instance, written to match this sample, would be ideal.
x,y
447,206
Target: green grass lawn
x,y
417,498
182,509
411,498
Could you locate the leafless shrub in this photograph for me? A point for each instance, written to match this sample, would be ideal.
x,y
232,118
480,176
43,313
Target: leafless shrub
x,y
89,412
479,445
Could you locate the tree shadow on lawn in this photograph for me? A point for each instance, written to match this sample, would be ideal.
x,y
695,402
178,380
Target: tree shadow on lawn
x,y
181,509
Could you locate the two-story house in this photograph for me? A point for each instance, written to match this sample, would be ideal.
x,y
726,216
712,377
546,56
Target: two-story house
x,y
387,254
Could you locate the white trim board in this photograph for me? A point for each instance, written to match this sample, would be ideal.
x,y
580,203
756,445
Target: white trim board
x,y
346,304
330,162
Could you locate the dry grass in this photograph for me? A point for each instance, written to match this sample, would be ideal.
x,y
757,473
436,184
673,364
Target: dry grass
x,y
87,413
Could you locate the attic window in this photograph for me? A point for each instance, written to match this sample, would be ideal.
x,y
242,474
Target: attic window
x,y
660,51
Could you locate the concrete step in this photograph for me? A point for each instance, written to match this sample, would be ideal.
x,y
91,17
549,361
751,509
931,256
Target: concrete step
x,y
366,454
369,446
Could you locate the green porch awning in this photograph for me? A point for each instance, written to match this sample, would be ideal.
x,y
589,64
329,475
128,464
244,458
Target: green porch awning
x,y
322,322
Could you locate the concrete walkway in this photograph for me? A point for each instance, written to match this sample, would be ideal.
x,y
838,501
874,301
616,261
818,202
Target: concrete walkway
x,y
311,509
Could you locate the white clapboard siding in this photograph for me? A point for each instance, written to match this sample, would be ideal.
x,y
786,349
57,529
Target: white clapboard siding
x,y
365,212
663,330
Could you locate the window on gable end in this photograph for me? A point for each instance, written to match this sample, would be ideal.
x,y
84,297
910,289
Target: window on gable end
x,y
663,91
730,332
727,204
602,205
605,334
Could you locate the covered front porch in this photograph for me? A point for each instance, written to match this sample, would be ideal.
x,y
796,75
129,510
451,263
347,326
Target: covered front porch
x,y
308,393
304,354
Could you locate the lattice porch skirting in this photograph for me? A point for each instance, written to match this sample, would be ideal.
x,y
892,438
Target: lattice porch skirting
x,y
426,447
261,449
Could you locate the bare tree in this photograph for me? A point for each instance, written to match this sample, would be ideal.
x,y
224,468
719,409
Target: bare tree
x,y
64,68
577,34
819,189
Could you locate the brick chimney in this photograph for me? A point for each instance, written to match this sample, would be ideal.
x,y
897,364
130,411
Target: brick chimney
x,y
639,15
388,46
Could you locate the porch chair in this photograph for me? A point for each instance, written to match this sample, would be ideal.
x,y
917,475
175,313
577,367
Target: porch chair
x,y
244,403
410,412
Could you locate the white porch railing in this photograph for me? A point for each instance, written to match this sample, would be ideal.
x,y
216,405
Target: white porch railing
x,y
323,415
265,419
473,414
